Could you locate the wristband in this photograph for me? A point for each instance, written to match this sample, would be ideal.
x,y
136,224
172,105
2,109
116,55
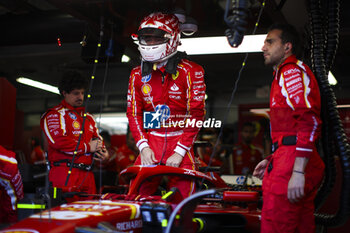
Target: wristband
x,y
300,172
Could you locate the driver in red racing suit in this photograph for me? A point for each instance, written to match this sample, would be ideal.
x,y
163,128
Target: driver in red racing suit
x,y
293,173
173,89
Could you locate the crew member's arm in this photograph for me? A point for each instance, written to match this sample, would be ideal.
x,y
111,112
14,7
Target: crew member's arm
x,y
303,97
10,178
101,153
259,170
135,117
195,109
54,126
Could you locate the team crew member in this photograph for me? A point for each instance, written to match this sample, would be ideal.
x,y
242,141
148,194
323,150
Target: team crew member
x,y
62,126
171,86
11,187
292,174
37,154
245,154
127,153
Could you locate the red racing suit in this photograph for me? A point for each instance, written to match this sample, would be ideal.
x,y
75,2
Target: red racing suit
x,y
62,126
125,157
245,157
294,111
180,98
11,187
37,155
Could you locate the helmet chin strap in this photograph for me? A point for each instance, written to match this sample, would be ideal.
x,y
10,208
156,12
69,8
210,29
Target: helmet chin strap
x,y
163,59
170,63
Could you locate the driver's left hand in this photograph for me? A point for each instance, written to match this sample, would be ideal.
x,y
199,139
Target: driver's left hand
x,y
174,160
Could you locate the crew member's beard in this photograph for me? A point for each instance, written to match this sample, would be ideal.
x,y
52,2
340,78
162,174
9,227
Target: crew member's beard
x,y
78,103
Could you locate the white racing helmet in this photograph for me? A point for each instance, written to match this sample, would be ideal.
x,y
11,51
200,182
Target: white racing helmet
x,y
158,37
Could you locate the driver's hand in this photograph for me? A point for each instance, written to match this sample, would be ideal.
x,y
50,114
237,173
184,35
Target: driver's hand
x,y
174,160
147,156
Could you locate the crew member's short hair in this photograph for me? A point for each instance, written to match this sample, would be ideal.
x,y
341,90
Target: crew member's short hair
x,y
289,34
72,80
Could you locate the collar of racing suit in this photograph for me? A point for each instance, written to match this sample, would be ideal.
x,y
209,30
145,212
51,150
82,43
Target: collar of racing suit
x,y
79,110
291,59
170,67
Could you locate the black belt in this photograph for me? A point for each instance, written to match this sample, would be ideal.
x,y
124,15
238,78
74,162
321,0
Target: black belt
x,y
287,141
81,166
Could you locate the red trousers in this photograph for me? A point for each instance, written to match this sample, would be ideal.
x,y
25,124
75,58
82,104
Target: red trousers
x,y
278,213
164,147
79,180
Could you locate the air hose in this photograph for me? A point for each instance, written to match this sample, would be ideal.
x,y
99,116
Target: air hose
x,y
332,33
317,56
333,135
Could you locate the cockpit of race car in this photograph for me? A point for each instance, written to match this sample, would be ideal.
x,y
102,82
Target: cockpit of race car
x,y
216,206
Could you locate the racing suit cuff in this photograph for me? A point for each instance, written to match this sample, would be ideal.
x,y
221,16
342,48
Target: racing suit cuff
x,y
87,147
181,149
303,152
142,144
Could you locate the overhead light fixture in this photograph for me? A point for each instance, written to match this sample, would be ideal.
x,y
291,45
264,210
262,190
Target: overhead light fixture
x,y
125,58
36,84
220,45
114,123
331,79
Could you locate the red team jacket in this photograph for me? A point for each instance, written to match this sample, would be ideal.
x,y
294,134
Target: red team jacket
x,y
11,187
177,96
62,125
295,106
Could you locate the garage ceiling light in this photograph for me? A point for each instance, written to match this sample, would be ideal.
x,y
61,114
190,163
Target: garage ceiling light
x,y
331,79
36,84
220,45
125,58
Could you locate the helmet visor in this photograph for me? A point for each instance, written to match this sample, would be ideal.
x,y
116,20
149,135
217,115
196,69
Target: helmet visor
x,y
152,36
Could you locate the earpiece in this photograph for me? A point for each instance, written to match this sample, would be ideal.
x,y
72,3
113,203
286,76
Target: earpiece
x,y
287,48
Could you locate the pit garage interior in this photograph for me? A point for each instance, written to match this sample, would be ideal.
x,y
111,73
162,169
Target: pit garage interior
x,y
41,39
